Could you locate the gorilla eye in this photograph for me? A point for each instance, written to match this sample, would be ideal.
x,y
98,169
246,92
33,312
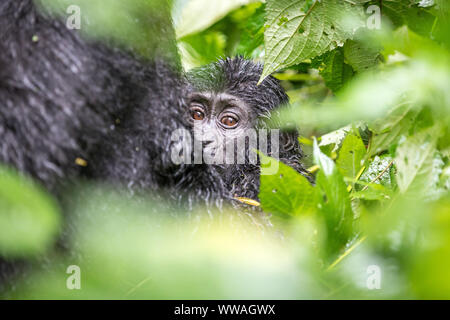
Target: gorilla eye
x,y
229,121
197,114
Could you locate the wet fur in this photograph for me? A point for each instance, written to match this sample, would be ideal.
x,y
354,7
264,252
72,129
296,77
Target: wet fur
x,y
239,77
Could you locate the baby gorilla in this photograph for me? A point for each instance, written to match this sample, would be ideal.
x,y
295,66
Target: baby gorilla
x,y
228,111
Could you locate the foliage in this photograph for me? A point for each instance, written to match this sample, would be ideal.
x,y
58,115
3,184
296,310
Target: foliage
x,y
373,108
29,219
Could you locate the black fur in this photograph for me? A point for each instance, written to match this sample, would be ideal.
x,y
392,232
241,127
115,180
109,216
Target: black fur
x,y
65,97
62,98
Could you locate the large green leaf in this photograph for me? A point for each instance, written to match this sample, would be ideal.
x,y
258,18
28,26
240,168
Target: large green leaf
x,y
401,12
388,130
335,138
414,161
351,156
443,24
360,56
335,206
286,193
296,33
29,219
335,72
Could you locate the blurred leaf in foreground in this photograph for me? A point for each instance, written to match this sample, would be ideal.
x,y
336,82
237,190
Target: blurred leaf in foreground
x,y
201,49
29,218
421,82
144,26
429,273
133,250
197,15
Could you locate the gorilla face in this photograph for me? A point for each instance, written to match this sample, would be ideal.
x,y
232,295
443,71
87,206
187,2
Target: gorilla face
x,y
218,121
229,110
232,115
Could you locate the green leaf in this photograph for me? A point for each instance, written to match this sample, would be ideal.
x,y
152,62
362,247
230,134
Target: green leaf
x,y
336,207
201,49
402,12
198,15
351,156
408,42
252,34
373,192
29,218
286,193
440,178
378,171
443,23
389,129
414,162
335,72
335,138
361,57
294,35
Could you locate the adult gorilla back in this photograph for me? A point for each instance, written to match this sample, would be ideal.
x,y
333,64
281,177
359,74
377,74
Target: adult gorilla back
x,y
100,102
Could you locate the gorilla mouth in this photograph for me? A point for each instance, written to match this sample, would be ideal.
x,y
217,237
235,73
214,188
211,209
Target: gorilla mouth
x,y
211,150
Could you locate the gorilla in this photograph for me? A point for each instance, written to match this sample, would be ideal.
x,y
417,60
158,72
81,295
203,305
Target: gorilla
x,y
77,106
93,105
226,101
73,106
